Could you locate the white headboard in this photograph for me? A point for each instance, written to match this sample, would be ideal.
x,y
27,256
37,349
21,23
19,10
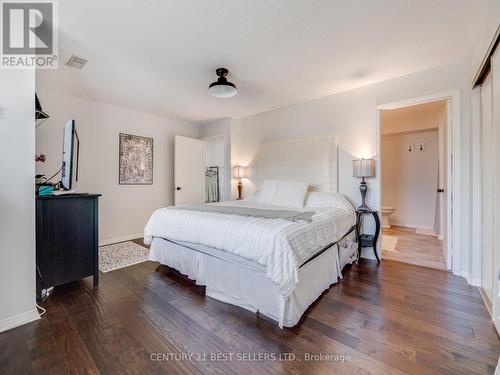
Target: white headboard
x,y
311,160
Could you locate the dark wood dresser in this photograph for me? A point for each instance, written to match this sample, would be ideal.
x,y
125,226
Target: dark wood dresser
x,y
67,237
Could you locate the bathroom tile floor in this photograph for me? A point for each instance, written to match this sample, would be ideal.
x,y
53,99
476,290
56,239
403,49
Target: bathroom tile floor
x,y
403,244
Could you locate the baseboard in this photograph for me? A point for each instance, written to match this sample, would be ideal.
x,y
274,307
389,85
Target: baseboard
x,y
120,239
426,231
473,282
421,230
367,253
19,320
487,303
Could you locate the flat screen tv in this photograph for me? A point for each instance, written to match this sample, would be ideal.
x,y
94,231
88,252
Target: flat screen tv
x,y
71,150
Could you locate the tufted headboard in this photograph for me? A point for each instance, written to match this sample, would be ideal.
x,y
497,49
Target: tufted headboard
x,y
312,160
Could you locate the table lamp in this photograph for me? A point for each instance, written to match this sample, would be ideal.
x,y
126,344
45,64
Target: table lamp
x,y
239,172
363,168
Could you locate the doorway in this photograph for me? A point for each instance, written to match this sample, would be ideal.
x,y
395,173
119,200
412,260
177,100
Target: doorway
x,y
416,169
201,170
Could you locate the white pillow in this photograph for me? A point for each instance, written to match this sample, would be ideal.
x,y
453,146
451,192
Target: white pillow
x,y
290,194
267,191
316,199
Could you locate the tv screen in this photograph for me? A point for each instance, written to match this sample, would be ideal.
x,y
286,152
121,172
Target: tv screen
x,y
71,149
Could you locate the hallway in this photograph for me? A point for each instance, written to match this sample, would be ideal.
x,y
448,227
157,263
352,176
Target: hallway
x,y
403,244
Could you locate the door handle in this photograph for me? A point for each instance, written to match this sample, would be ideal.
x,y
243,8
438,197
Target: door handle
x,y
440,190
178,188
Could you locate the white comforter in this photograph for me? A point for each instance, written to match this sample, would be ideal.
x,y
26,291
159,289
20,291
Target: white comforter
x,y
280,245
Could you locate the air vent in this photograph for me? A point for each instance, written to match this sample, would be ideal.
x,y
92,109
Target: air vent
x,y
76,62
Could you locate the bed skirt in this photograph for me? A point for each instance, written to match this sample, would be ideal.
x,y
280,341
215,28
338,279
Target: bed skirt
x,y
238,281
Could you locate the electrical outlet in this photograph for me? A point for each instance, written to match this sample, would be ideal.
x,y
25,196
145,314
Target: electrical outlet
x,y
411,148
420,146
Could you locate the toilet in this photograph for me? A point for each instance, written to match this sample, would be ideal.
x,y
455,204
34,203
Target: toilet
x,y
386,212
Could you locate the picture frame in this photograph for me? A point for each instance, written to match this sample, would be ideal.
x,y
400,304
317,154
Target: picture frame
x,y
136,159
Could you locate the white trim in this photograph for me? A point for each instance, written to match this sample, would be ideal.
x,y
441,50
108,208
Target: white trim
x,y
111,241
473,281
486,301
454,171
19,320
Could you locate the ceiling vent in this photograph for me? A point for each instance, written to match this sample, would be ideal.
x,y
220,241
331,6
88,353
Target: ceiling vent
x,y
76,62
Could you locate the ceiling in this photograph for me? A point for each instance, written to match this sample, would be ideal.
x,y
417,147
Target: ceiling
x,y
159,56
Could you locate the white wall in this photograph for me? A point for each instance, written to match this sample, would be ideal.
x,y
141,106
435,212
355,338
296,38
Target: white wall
x,y
487,30
410,178
17,198
352,117
413,118
124,210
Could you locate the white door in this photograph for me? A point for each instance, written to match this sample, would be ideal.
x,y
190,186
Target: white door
x,y
487,186
495,99
189,171
444,124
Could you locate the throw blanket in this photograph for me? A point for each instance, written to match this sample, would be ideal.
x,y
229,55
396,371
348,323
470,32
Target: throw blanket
x,y
250,212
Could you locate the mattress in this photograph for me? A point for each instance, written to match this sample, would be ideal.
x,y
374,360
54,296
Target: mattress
x,y
280,246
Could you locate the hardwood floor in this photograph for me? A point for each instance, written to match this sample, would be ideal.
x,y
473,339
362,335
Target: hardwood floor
x,y
413,248
389,319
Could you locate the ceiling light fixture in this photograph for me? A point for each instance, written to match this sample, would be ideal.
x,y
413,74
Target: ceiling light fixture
x,y
222,88
76,62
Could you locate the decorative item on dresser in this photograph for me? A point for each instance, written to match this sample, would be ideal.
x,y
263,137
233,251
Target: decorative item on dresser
x,y
66,239
367,240
240,172
363,168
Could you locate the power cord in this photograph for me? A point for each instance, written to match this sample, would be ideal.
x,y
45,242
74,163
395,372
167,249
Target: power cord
x,y
48,179
41,279
41,308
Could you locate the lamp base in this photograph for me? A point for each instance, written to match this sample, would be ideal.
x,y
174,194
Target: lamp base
x,y
362,189
363,208
240,190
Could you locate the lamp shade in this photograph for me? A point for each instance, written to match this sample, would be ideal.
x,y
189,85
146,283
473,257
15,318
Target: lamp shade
x,y
363,168
222,88
239,171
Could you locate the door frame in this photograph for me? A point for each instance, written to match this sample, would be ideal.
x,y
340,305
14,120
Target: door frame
x,y
454,175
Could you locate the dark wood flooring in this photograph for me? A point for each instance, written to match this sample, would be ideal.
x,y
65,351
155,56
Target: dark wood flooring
x,y
390,319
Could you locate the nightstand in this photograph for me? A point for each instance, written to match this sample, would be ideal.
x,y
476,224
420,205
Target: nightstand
x,y
367,240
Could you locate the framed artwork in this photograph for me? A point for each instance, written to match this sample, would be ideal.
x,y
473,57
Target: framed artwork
x,y
136,160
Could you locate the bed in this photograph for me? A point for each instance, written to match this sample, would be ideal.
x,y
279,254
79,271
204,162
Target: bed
x,y
274,253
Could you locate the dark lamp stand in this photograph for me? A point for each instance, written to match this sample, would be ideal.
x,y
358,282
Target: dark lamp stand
x,y
362,189
240,189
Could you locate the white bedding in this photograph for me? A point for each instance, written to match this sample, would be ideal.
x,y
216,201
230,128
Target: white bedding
x,y
279,245
241,282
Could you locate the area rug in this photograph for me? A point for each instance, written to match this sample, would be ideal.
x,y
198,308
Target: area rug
x,y
389,243
119,255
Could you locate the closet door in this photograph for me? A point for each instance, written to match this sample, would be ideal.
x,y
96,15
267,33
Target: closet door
x,y
487,186
495,99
